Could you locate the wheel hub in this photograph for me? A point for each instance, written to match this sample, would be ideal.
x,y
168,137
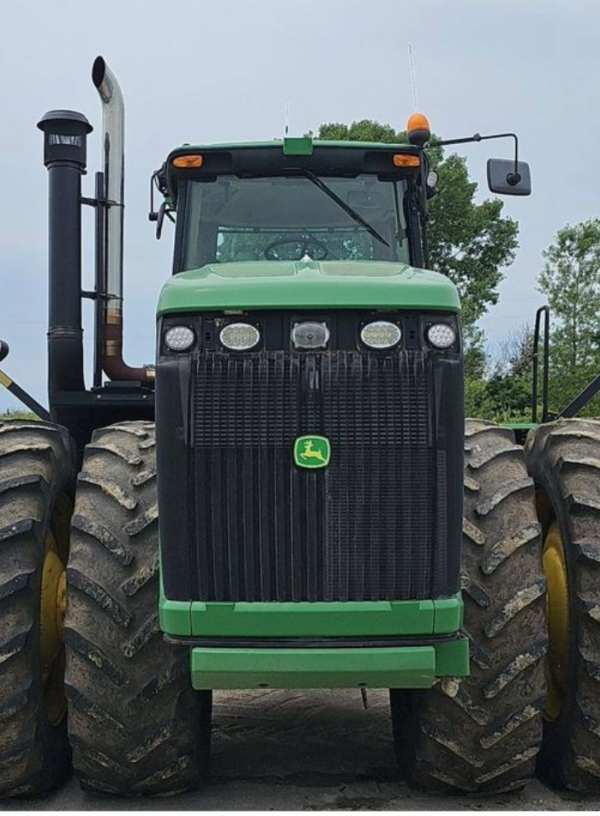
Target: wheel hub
x,y
557,607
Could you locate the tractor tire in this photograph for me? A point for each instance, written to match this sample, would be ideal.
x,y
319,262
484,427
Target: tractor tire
x,y
37,478
137,727
564,460
482,734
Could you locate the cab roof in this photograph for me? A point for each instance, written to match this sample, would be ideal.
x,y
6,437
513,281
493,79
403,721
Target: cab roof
x,y
302,145
285,155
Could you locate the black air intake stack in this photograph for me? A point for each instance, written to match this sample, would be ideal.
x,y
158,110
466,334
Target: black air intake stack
x,y
65,137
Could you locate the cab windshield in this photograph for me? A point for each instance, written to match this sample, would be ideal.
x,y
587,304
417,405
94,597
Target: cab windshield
x,y
288,218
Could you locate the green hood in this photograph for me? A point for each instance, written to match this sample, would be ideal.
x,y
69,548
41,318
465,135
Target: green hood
x,y
307,285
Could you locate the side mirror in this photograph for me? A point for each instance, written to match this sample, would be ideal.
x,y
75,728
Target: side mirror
x,y
431,184
3,350
503,179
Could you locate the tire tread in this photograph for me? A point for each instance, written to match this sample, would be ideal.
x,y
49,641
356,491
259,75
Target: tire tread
x,y
36,466
564,459
485,738
123,744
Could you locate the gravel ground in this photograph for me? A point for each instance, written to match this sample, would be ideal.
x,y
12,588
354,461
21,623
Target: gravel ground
x,y
317,750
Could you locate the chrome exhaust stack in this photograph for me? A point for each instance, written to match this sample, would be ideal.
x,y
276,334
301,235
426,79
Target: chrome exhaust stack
x,y
113,165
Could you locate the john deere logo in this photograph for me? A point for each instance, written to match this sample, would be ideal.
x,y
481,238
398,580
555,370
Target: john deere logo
x,y
312,451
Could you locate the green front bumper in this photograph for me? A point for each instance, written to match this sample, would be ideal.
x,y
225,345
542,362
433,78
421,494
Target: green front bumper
x,y
398,667
311,619
434,625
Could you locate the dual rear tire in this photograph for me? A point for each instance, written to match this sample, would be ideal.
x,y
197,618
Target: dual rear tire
x,y
527,705
136,727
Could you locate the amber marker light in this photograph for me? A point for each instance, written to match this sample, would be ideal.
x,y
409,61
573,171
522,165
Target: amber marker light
x,y
403,160
188,161
418,129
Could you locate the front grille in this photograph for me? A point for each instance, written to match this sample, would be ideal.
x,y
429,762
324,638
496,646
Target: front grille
x,y
371,526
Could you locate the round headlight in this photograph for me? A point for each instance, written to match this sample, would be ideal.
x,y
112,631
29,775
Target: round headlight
x,y
179,338
310,335
381,334
239,336
441,335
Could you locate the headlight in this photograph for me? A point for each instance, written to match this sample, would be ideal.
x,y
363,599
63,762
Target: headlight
x,y
381,334
239,336
441,335
179,338
310,335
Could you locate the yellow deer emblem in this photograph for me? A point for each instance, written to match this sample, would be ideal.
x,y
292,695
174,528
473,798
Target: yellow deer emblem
x,y
309,453
312,452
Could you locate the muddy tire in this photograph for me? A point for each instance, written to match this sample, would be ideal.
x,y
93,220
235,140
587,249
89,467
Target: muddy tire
x,y
564,459
37,476
483,735
136,725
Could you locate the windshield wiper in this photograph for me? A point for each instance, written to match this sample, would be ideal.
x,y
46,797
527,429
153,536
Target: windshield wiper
x,y
341,203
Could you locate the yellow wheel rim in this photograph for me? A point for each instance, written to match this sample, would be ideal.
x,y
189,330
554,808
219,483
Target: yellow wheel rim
x,y
557,606
53,607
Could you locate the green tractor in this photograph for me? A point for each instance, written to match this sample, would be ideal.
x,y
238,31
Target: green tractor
x,y
278,501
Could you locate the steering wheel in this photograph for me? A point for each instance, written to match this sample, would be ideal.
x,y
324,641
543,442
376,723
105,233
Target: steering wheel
x,y
307,246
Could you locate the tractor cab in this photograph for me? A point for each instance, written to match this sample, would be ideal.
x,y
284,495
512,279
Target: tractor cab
x,y
295,199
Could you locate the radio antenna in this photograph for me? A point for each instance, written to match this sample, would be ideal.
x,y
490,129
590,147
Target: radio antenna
x,y
413,76
287,119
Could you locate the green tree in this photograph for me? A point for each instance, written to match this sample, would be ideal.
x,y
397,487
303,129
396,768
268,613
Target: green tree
x,y
475,354
364,131
516,352
501,389
570,280
510,383
468,242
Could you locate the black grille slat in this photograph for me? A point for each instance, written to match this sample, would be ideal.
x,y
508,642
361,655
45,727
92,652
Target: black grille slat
x,y
365,528
395,518
217,494
204,553
232,503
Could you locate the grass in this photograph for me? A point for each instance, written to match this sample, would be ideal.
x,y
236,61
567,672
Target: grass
x,y
12,413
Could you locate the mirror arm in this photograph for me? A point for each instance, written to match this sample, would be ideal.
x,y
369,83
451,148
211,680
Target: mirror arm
x,y
158,216
512,178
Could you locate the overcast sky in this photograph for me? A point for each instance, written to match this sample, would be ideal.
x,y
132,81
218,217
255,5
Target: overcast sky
x,y
225,70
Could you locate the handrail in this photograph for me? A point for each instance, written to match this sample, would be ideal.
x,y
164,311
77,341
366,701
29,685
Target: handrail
x,y
543,310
